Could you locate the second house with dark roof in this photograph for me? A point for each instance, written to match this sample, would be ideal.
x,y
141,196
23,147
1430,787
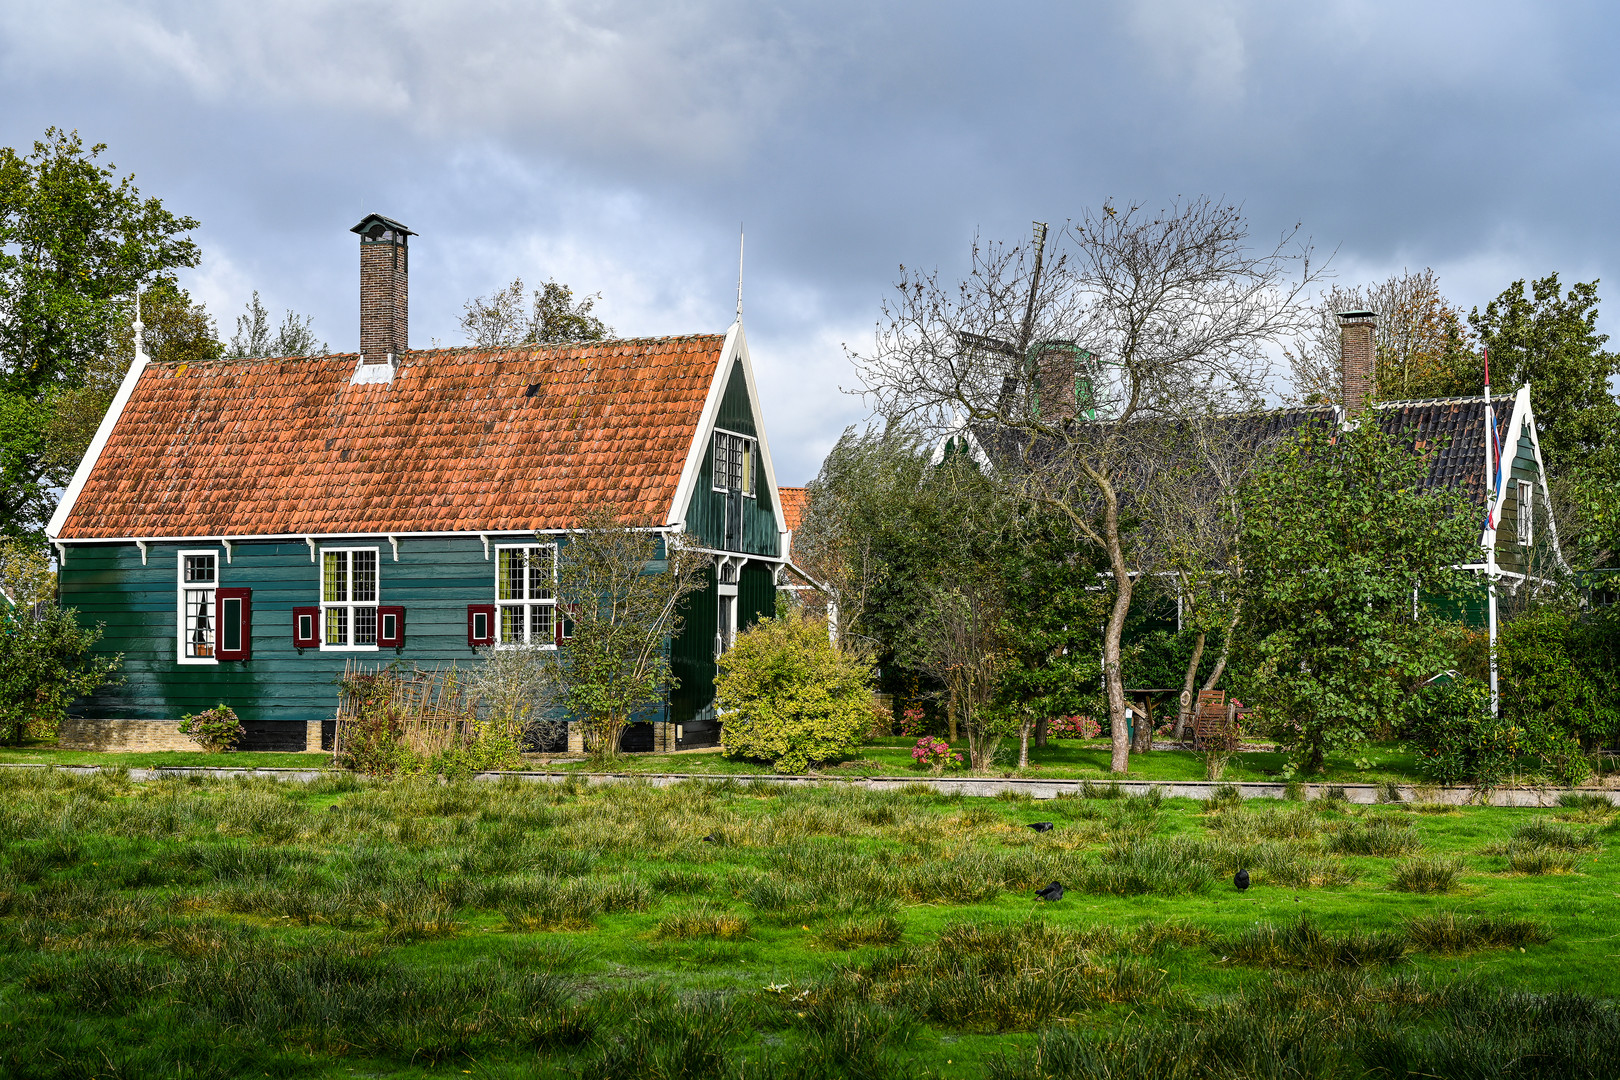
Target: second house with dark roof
x,y
245,528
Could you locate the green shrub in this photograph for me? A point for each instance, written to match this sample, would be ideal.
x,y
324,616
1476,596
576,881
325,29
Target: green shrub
x,y
46,663
216,730
790,697
1459,740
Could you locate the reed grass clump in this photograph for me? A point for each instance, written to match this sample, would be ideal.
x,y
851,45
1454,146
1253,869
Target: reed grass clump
x,y
1449,932
704,922
1524,859
853,933
1434,874
1383,835
1543,833
1304,944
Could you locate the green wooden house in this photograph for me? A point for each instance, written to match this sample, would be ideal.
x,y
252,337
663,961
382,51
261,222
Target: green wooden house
x,y
245,528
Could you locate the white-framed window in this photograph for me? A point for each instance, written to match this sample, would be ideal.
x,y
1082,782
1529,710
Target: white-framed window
x,y
349,598
526,594
733,463
727,571
1527,512
198,573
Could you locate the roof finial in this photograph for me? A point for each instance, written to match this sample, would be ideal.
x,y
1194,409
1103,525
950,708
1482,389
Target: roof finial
x,y
140,345
739,270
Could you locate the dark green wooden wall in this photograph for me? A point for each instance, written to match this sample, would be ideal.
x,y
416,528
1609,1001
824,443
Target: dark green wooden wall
x,y
705,514
434,580
691,656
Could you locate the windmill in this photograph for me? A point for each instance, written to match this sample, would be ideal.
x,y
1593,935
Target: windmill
x,y
1047,365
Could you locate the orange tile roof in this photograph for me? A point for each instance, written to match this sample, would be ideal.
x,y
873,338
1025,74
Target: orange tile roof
x,y
463,440
794,501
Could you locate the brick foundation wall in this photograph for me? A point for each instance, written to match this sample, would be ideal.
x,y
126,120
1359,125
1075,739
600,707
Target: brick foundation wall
x,y
125,735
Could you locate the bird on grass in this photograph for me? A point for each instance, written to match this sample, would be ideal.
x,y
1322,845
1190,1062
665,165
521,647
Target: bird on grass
x,y
1241,880
1052,892
710,839
1041,826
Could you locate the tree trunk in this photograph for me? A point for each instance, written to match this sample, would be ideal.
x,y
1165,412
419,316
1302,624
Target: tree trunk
x,y
1185,711
1040,730
1113,666
1226,648
950,716
1023,742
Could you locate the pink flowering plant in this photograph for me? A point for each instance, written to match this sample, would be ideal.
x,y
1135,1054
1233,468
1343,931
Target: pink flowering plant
x,y
935,754
912,721
1073,727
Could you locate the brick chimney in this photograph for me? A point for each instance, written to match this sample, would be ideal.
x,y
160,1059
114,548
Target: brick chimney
x,y
384,289
1054,381
1356,329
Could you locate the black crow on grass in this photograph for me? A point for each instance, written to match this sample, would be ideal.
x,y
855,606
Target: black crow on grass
x,y
1041,826
1241,880
1052,892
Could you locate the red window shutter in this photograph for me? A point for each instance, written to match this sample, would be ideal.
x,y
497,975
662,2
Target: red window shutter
x,y
390,627
480,624
306,627
233,623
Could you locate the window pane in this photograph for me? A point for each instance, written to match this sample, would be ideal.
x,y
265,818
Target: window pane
x,y
363,583
200,569
199,623
336,582
337,626
511,624
365,626
746,481
509,577
542,563
541,631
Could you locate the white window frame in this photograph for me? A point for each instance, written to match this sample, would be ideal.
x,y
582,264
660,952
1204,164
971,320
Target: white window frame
x,y
526,603
749,464
349,606
1526,513
728,572
180,656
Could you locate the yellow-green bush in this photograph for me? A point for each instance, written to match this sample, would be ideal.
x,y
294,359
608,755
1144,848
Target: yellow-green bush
x,y
790,697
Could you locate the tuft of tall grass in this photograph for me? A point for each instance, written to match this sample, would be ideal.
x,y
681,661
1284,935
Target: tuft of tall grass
x,y
1138,868
1433,874
659,1036
853,933
1452,932
1304,944
1384,834
1224,797
1542,833
1586,806
1524,859
678,881
702,922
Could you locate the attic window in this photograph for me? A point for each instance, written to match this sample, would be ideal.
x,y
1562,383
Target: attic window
x,y
1527,513
733,463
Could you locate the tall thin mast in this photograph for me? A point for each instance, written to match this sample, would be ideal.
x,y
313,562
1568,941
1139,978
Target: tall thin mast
x,y
1492,481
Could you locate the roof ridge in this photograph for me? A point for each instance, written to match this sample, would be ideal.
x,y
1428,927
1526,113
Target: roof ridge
x,y
451,350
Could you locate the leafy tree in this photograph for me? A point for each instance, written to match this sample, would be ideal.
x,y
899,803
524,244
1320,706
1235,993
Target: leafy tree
x,y
174,330
623,598
46,663
1337,533
294,337
1423,347
76,240
26,577
790,696
501,321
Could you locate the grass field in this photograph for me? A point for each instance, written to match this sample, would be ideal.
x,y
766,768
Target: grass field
x,y
887,757
339,928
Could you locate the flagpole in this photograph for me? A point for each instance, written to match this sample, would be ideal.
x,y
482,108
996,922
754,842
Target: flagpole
x,y
1491,480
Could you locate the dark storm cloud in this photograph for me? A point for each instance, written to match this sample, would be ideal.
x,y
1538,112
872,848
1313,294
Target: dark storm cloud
x,y
617,146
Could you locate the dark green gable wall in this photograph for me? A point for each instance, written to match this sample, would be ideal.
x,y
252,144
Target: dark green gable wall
x,y
705,514
434,580
692,653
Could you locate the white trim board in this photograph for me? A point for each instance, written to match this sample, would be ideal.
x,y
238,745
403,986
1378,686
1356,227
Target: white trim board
x,y
104,430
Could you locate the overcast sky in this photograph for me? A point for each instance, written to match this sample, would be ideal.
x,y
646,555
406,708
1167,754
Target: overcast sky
x,y
616,146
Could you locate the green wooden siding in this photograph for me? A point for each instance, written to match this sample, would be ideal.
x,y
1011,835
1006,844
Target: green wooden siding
x,y
1510,554
434,580
705,514
691,655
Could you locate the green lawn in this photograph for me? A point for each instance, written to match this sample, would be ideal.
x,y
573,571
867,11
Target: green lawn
x,y
883,757
1059,759
341,928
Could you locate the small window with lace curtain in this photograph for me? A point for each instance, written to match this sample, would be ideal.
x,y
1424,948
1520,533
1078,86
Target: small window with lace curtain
x,y
349,598
1527,513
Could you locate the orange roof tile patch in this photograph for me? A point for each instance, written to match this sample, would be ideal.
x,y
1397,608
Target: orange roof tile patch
x,y
794,500
462,440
